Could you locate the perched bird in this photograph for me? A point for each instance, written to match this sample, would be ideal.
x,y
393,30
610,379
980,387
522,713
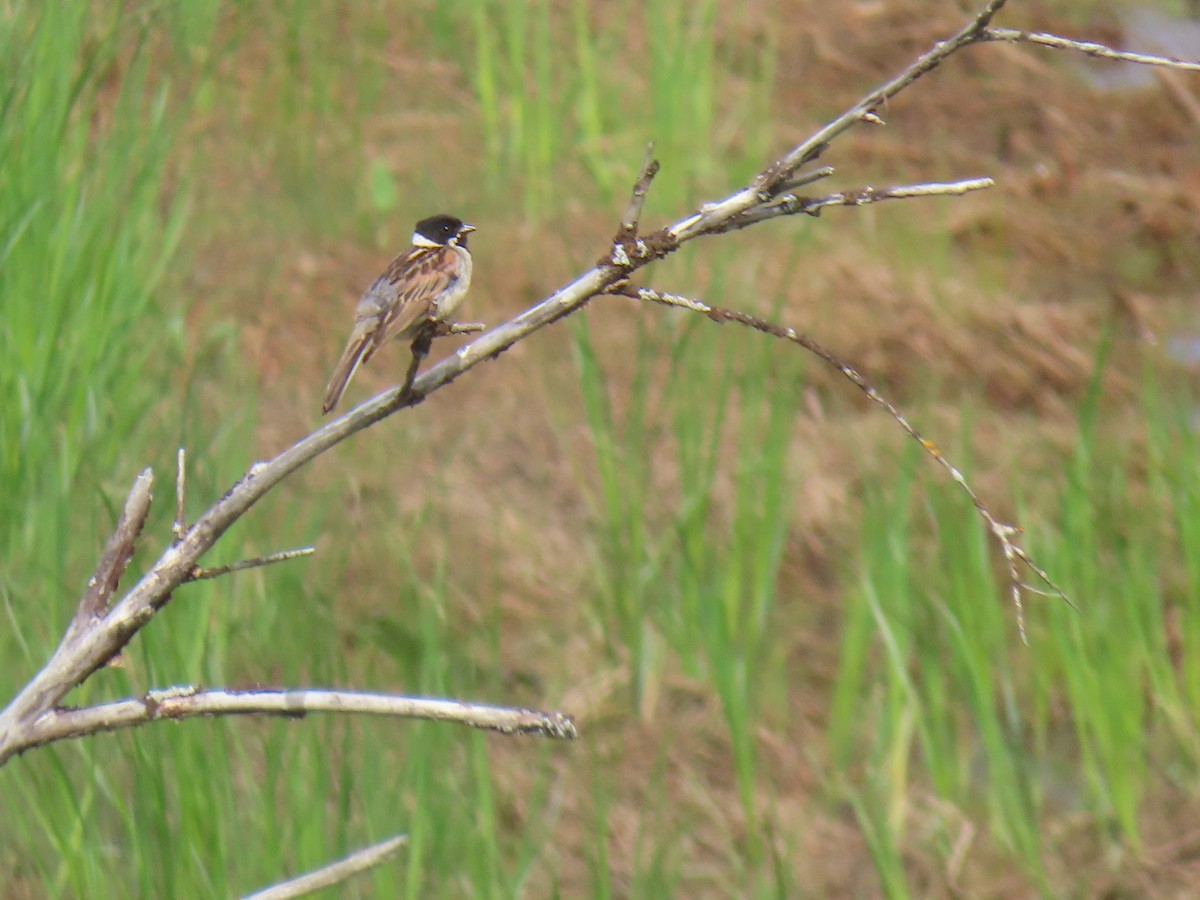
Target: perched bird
x,y
425,284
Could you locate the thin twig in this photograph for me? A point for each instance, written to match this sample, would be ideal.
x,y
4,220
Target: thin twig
x,y
117,554
179,529
202,574
1088,48
791,204
807,178
1003,532
628,249
637,200
189,702
334,873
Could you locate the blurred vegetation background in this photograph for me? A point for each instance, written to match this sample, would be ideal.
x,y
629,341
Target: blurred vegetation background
x,y
784,634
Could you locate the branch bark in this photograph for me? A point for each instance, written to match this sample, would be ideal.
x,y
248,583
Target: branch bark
x,y
178,703
117,554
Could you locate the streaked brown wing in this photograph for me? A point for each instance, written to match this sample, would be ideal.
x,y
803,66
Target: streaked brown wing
x,y
418,281
400,298
372,311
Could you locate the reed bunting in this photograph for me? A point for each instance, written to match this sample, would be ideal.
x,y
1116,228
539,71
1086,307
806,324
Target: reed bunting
x,y
425,284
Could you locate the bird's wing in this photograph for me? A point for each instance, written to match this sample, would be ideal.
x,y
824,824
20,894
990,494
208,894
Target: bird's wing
x,y
419,280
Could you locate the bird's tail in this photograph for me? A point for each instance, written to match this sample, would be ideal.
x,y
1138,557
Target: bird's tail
x,y
352,356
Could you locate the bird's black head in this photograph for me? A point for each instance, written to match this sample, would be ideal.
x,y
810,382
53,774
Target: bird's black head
x,y
441,230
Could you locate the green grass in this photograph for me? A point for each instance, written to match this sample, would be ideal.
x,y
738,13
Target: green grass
x,y
1013,737
678,576
548,105
1084,720
88,236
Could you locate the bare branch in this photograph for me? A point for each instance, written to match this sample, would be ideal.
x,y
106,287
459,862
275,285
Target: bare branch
x,y
189,702
1003,532
767,183
791,204
633,214
1088,48
202,574
334,873
117,554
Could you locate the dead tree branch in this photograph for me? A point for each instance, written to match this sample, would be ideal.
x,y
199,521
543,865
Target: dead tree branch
x,y
791,204
99,632
174,704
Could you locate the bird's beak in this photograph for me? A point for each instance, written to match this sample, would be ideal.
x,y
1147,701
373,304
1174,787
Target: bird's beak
x,y
467,229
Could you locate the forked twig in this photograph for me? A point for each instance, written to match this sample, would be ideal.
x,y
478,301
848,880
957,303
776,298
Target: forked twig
x,y
767,184
179,530
627,245
1002,531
